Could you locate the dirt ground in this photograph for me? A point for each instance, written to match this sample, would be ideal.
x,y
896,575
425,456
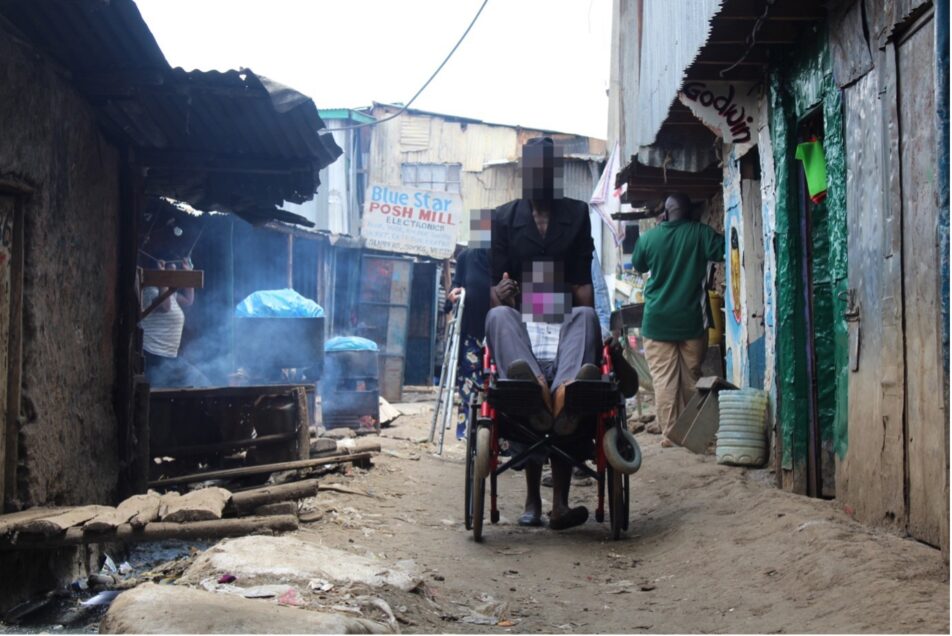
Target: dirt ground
x,y
711,549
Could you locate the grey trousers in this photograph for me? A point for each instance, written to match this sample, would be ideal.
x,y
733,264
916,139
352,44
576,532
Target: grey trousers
x,y
579,343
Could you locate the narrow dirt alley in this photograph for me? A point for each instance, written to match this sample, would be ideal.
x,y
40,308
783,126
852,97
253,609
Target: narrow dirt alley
x,y
711,549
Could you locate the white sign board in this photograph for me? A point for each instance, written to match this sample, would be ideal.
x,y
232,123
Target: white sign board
x,y
412,221
727,108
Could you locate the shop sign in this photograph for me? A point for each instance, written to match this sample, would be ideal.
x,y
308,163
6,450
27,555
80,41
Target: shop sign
x,y
408,220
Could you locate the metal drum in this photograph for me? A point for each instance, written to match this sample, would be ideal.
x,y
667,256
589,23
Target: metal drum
x,y
350,393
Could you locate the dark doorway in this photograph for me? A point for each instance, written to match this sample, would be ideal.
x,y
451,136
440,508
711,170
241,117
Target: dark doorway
x,y
818,307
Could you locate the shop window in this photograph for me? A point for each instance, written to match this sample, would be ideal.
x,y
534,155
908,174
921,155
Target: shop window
x,y
441,177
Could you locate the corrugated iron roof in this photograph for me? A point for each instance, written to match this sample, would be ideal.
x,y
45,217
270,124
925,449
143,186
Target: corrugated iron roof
x,y
232,140
673,33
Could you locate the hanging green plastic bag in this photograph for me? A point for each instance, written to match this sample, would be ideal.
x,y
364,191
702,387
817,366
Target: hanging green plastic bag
x,y
814,166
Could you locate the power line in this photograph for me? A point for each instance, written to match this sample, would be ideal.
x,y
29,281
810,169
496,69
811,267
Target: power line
x,y
427,83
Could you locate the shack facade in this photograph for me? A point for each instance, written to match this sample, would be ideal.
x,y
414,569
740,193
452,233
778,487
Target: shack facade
x,y
839,308
95,124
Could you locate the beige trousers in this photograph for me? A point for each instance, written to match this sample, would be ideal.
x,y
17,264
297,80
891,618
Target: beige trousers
x,y
675,369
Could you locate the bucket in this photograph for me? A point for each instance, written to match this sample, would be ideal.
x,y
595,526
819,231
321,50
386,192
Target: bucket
x,y
742,430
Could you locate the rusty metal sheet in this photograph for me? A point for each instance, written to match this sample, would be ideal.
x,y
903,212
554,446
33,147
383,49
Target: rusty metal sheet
x,y
673,34
848,44
884,15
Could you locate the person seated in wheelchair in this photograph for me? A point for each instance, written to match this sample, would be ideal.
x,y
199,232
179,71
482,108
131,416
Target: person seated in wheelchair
x,y
542,325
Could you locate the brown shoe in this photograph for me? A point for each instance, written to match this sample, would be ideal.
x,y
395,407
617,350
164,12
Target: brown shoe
x,y
567,422
540,422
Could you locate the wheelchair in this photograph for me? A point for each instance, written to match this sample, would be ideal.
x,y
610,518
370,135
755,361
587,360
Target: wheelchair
x,y
501,410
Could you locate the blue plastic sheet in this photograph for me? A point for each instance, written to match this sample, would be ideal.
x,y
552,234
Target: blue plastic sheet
x,y
278,303
350,343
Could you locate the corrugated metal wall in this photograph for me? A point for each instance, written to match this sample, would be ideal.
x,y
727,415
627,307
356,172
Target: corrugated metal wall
x,y
489,156
673,34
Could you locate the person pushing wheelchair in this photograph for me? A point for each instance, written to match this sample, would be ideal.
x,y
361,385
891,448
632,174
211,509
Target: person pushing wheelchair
x,y
542,325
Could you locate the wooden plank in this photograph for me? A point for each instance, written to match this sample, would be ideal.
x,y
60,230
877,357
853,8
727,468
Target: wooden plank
x,y
303,424
869,478
250,392
140,459
60,522
244,502
206,504
157,531
277,508
230,473
230,445
176,278
9,521
11,416
137,510
8,205
926,434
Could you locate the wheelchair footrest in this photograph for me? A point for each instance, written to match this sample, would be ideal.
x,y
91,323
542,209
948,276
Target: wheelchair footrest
x,y
516,397
591,396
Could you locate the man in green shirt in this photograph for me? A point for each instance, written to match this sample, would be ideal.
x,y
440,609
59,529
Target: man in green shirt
x,y
677,253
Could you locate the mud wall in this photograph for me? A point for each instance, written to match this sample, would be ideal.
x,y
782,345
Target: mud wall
x,y
68,437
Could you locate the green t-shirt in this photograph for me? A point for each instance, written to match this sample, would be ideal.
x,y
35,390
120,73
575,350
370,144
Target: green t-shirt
x,y
676,253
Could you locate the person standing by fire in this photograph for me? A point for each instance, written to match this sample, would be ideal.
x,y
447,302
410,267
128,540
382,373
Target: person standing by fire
x,y
162,335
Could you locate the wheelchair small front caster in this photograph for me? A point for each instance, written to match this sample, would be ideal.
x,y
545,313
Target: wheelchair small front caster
x,y
599,516
494,516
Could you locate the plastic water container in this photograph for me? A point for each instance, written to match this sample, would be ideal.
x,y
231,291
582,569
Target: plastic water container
x,y
742,431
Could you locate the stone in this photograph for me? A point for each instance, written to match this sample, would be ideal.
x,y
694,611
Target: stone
x,y
174,609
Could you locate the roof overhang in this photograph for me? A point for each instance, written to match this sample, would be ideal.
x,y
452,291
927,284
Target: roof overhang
x,y
743,37
229,141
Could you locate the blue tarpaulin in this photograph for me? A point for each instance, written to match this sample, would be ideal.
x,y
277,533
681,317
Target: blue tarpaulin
x,y
278,303
350,343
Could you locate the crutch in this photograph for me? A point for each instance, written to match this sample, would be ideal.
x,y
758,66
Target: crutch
x,y
445,395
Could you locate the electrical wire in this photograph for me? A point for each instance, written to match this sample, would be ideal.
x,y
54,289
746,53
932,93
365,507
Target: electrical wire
x,y
404,108
751,39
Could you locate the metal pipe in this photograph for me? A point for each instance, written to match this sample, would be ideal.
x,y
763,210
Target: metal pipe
x,y
454,367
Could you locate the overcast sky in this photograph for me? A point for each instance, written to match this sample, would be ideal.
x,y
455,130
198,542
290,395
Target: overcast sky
x,y
537,63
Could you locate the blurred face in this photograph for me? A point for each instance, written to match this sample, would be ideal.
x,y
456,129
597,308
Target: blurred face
x,y
543,169
480,229
545,296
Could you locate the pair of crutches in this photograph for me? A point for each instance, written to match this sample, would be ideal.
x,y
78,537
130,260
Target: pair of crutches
x,y
447,389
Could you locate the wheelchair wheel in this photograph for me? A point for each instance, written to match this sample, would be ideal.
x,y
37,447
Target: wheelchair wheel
x,y
468,487
621,450
479,473
617,501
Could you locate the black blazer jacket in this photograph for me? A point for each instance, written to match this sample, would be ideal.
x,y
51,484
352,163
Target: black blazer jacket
x,y
516,241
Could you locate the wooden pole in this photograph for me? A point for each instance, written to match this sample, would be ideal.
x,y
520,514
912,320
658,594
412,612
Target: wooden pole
x,y
156,531
257,470
244,502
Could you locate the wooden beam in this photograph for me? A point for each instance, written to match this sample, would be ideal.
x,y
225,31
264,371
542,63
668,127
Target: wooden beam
x,y
228,445
245,471
227,391
249,500
177,278
156,531
211,162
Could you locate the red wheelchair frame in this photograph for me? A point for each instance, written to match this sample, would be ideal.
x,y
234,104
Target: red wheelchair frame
x,y
599,398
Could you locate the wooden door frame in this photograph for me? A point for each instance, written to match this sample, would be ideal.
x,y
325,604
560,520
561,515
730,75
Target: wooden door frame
x,y
19,191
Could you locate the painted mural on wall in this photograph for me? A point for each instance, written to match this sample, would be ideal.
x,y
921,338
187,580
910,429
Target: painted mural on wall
x,y
735,308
